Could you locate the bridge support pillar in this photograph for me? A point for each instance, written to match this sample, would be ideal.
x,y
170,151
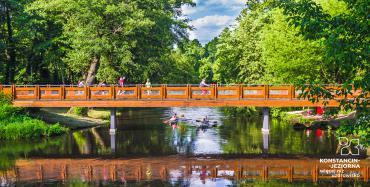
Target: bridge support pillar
x,y
265,136
266,120
113,142
112,129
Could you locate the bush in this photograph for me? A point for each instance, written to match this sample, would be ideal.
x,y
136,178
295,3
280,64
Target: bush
x,y
56,130
240,111
15,124
5,99
81,111
359,128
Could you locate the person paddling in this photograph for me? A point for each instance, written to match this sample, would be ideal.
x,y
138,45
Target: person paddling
x,y
173,118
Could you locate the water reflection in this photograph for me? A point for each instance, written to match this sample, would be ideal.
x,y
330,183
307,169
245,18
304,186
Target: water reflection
x,y
141,133
173,169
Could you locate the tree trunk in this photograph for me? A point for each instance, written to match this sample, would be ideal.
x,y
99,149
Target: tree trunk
x,y
94,66
10,50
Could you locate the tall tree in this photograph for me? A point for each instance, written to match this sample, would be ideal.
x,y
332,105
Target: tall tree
x,y
346,39
110,38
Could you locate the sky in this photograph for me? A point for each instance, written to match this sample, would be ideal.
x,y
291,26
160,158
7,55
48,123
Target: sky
x,y
210,17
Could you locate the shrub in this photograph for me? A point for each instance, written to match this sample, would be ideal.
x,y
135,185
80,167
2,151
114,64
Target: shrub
x,y
359,128
14,124
56,129
5,99
81,111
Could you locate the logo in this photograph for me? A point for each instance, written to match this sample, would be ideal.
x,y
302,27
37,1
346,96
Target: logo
x,y
349,147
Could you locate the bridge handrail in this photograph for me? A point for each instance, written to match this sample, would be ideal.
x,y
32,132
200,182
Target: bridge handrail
x,y
157,91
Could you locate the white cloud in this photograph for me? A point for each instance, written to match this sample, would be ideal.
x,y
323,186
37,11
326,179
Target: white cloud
x,y
226,2
210,17
215,20
209,27
188,10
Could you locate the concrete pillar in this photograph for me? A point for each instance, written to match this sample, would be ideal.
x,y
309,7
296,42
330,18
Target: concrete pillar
x,y
113,121
265,137
113,142
266,120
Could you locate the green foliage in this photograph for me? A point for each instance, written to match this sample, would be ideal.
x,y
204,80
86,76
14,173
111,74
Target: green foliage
x,y
344,35
14,124
81,111
359,129
288,56
5,99
241,111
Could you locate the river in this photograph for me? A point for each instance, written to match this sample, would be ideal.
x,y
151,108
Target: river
x,y
147,152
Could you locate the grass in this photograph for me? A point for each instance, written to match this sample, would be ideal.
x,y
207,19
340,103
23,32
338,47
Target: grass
x,y
16,124
73,121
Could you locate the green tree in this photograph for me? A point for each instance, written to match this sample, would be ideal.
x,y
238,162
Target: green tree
x,y
345,37
106,39
288,56
238,56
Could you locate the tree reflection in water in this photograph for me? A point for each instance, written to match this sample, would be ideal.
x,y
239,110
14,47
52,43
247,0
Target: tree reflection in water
x,y
141,133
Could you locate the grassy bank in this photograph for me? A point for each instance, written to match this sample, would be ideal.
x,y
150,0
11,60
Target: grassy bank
x,y
15,123
72,120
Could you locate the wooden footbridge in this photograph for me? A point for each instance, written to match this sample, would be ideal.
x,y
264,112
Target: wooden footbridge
x,y
177,167
161,96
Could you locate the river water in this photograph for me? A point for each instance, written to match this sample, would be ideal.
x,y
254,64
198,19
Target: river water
x,y
156,154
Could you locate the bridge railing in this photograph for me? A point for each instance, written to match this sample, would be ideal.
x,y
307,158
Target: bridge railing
x,y
159,92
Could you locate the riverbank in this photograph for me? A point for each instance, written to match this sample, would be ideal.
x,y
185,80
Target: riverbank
x,y
300,119
16,123
61,115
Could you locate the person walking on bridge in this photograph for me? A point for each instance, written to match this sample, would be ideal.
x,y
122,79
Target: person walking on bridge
x,y
121,82
148,85
203,84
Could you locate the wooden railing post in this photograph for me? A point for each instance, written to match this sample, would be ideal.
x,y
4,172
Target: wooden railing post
x,y
290,174
16,173
138,89
215,92
37,92
112,92
41,173
366,174
62,92
267,91
314,174
113,172
240,91
87,92
189,91
14,92
162,91
64,174
290,92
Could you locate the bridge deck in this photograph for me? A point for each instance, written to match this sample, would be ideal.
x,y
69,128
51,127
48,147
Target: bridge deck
x,y
161,96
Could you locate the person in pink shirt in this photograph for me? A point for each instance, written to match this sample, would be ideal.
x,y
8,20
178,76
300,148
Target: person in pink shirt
x,y
121,82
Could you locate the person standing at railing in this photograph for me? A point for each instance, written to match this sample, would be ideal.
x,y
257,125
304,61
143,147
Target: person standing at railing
x,y
81,84
148,85
202,85
121,82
